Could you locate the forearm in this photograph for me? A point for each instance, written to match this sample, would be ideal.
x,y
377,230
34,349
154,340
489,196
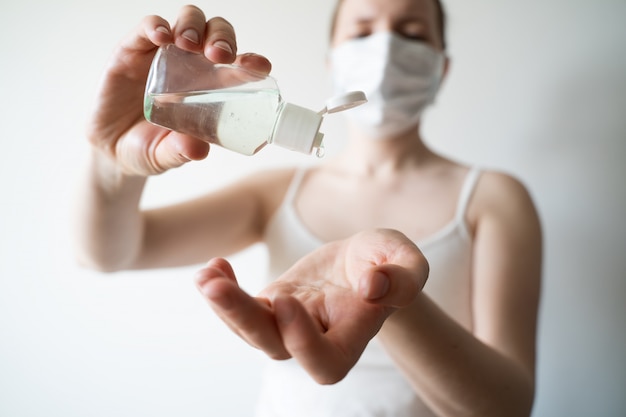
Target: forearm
x,y
452,371
109,229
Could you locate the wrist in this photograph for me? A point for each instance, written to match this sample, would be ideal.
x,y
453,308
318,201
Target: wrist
x,y
108,176
408,316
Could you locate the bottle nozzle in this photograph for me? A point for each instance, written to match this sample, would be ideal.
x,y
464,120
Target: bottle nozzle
x,y
318,145
297,128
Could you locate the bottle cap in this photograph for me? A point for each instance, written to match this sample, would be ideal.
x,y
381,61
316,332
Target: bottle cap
x,y
297,129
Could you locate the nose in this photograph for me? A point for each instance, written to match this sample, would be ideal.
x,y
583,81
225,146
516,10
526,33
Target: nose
x,y
383,25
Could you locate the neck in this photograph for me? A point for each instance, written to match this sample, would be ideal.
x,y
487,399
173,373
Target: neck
x,y
385,157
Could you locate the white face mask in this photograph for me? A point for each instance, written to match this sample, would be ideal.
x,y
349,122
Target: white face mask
x,y
400,78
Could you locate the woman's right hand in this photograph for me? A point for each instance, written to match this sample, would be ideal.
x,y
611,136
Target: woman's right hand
x,y
118,128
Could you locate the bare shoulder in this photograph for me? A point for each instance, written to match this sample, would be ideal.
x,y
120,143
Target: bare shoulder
x,y
257,193
495,183
499,192
502,199
502,213
268,187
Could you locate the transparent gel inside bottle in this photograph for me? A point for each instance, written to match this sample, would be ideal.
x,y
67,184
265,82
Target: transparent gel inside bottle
x,y
228,105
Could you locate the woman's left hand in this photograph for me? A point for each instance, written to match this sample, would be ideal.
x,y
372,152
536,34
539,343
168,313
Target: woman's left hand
x,y
325,309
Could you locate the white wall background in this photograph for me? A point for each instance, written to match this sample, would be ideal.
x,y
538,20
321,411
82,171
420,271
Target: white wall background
x,y
537,88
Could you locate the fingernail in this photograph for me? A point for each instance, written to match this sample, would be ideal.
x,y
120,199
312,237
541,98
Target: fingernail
x,y
376,286
191,35
284,310
201,281
162,29
224,46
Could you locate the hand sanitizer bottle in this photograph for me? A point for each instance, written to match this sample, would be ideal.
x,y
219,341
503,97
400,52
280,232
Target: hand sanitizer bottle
x,y
231,106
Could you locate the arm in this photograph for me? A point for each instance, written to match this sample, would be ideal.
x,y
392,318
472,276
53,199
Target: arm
x,y
489,371
112,232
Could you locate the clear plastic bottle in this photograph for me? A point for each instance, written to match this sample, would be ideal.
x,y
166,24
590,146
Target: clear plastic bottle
x,y
228,105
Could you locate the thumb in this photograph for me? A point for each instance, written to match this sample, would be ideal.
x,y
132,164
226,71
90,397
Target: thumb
x,y
151,150
392,285
176,149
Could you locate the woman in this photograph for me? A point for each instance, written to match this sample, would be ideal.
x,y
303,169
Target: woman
x,y
465,345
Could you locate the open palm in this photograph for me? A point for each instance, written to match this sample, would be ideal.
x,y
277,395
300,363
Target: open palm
x,y
325,309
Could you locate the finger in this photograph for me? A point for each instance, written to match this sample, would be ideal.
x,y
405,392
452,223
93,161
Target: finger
x,y
254,62
220,43
393,285
307,344
390,268
152,31
189,28
134,54
223,266
247,316
215,268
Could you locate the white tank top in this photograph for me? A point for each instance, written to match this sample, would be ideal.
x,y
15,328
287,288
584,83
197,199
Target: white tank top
x,y
374,387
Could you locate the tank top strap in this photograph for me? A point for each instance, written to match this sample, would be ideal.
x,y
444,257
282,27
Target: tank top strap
x,y
467,190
